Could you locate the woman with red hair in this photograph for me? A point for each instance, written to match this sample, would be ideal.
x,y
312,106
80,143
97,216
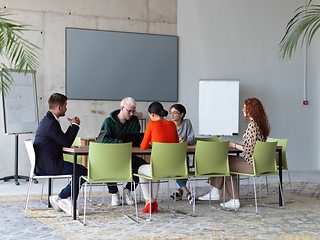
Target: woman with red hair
x,y
258,130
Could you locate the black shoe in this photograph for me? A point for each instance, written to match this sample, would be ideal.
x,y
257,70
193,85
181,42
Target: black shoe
x,y
190,198
177,195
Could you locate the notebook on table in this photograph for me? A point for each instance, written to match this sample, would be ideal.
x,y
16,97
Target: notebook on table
x,y
135,138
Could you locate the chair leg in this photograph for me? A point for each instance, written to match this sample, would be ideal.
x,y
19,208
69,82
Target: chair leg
x,y
28,195
122,205
161,195
103,192
255,194
85,204
78,199
72,190
196,187
42,190
135,201
174,200
140,196
238,181
90,192
234,200
248,190
224,192
260,190
192,183
290,186
267,186
169,196
210,203
150,183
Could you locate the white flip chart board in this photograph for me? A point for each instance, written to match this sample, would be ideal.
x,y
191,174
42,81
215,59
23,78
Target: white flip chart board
x,y
218,107
20,109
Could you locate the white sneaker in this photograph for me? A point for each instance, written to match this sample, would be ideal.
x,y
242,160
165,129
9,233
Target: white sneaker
x,y
213,194
232,203
115,199
127,198
66,205
54,203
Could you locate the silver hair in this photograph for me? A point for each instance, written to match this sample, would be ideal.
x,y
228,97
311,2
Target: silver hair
x,y
128,101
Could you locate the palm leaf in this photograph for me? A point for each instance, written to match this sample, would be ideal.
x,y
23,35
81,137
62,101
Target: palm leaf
x,y
18,52
302,26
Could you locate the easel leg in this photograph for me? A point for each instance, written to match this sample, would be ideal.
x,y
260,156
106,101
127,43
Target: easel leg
x,y
16,176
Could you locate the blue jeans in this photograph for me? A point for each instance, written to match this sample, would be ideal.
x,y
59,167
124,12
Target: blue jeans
x,y
183,182
68,169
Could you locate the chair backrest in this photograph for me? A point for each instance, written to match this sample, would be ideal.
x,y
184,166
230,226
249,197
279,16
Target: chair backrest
x,y
211,159
77,141
68,157
208,139
110,162
169,159
31,154
283,144
264,158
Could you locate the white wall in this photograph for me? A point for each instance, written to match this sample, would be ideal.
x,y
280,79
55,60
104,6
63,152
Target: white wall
x,y
234,39
49,19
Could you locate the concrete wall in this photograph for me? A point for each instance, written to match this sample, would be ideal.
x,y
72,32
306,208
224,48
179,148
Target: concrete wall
x,y
240,40
227,39
49,19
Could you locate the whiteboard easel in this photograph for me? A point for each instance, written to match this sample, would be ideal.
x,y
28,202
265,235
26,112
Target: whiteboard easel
x,y
20,108
218,107
20,111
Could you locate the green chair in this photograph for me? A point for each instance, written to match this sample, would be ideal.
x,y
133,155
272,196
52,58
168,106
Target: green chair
x,y
107,163
264,164
209,139
211,160
168,162
68,157
283,144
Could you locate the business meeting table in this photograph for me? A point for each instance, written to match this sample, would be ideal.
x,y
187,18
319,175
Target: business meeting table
x,y
84,150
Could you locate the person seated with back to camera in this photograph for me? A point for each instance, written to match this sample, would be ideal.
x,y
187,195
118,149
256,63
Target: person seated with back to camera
x,y
258,130
157,130
122,121
185,133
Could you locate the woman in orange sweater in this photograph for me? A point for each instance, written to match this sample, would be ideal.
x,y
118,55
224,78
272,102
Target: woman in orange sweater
x,y
157,130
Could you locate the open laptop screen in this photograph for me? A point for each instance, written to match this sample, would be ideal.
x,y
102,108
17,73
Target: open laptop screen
x,y
135,138
100,136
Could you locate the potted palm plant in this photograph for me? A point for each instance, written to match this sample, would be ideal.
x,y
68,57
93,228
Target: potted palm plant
x,y
304,24
15,51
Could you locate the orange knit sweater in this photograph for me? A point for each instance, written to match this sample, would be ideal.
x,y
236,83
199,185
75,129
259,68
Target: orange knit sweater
x,y
160,131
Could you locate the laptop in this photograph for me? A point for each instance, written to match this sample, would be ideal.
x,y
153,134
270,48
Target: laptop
x,y
135,138
100,136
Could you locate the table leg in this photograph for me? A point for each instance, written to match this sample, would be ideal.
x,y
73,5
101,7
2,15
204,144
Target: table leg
x,y
280,177
49,191
74,186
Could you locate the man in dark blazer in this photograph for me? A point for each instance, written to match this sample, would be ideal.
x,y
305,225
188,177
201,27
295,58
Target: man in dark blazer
x,y
48,144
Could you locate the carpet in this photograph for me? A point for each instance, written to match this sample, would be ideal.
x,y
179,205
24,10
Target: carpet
x,y
297,220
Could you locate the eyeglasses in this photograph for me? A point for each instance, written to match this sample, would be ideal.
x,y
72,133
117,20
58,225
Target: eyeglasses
x,y
174,113
129,111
